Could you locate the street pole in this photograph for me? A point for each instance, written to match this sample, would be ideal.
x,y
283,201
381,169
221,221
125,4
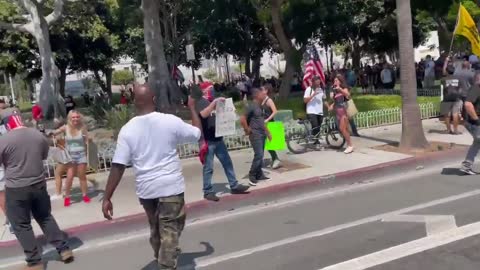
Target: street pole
x,y
11,89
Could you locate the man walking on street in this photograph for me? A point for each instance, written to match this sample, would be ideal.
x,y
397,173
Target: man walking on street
x,y
472,124
160,184
215,147
253,124
22,152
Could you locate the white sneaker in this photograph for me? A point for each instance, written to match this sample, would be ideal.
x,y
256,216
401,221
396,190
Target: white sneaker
x,y
56,197
276,164
349,150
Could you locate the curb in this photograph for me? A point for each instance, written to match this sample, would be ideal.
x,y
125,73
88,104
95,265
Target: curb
x,y
229,202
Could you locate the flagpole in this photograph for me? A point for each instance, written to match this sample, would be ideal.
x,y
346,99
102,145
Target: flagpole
x,y
455,29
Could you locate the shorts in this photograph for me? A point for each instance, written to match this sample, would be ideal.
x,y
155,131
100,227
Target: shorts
x,y
78,157
451,108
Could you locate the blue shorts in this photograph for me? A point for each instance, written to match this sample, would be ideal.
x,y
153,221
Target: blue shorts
x,y
78,157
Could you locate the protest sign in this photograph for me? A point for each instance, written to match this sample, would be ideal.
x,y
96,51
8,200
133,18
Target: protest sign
x,y
226,117
277,130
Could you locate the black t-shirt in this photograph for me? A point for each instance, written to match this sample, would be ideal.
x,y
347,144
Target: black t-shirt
x,y
208,124
474,97
256,119
267,111
452,88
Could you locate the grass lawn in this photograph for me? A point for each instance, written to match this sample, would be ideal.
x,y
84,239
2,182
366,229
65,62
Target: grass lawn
x,y
363,102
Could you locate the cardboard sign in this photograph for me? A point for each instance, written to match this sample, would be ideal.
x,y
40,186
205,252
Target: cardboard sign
x,y
277,130
226,117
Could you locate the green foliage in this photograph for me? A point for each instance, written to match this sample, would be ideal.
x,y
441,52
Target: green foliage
x,y
122,77
210,74
117,117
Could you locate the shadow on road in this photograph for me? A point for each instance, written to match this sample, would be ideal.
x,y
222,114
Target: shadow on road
x,y
385,141
452,172
186,260
52,255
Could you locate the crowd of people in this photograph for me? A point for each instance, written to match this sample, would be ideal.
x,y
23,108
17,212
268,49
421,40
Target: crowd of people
x,y
160,184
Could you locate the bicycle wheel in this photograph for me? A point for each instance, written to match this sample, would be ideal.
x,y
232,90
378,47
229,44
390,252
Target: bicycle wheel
x,y
297,142
335,139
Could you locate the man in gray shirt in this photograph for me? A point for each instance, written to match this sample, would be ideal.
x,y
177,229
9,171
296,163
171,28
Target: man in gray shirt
x,y
22,151
465,74
253,122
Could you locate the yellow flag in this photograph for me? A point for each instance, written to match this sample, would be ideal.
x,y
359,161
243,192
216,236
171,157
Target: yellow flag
x,y
466,27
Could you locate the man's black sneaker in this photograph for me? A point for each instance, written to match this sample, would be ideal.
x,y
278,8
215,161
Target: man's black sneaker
x,y
211,197
240,189
253,182
468,171
263,178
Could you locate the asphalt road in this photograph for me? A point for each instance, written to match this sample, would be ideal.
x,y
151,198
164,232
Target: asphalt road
x,y
426,219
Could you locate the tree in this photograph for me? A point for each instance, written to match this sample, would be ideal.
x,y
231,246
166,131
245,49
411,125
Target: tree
x,y
159,77
38,25
412,129
122,77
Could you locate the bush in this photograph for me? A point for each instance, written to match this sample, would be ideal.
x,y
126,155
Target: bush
x,y
117,117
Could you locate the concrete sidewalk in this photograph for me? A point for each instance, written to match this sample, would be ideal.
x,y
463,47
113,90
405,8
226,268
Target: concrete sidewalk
x,y
298,167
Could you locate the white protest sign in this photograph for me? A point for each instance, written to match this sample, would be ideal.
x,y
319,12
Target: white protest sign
x,y
225,119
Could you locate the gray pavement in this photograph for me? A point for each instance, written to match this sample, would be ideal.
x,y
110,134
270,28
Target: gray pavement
x,y
347,227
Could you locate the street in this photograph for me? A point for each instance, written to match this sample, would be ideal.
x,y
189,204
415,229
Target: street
x,y
424,219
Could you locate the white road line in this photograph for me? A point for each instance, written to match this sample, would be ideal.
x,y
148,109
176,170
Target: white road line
x,y
407,249
433,223
290,240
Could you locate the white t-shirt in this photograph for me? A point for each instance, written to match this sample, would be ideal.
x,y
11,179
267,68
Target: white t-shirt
x,y
149,143
315,106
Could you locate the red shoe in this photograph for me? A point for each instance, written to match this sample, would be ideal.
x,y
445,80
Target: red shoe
x,y
86,199
67,202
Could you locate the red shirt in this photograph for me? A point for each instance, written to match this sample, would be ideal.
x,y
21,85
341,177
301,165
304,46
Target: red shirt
x,y
123,100
37,112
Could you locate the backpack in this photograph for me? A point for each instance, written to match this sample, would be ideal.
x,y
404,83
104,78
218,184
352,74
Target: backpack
x,y
452,90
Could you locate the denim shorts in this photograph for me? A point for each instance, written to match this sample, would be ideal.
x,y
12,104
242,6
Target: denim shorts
x,y
78,157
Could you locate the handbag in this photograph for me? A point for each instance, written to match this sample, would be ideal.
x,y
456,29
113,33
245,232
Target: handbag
x,y
351,109
59,153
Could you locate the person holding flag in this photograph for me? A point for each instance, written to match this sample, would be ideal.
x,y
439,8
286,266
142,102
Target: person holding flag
x,y
466,27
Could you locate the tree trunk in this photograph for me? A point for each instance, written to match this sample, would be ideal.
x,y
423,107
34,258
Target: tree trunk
x,y
49,85
287,78
248,68
331,59
413,136
257,62
287,47
159,77
356,55
62,80
108,81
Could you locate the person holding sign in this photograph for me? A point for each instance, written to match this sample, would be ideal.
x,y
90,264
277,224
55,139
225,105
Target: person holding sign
x,y
269,112
253,122
215,146
315,98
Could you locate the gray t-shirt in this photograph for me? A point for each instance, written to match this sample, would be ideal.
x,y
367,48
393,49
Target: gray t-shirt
x,y
256,119
466,80
22,152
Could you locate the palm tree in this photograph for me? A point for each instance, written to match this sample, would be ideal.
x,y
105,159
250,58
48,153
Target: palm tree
x,y
413,136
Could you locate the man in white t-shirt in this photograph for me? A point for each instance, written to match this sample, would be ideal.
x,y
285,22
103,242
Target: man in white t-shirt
x,y
314,99
149,142
387,77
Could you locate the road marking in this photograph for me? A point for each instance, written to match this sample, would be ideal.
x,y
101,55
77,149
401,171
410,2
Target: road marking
x,y
433,223
337,191
407,249
291,240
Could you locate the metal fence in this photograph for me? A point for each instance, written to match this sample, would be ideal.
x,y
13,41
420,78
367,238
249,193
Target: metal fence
x,y
363,120
434,92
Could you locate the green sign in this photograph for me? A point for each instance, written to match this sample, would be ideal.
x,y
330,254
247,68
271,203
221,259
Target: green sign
x,y
277,130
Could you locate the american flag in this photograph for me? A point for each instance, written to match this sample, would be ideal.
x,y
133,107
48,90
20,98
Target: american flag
x,y
313,67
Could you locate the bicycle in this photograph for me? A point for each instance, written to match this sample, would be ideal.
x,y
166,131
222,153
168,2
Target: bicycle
x,y
299,141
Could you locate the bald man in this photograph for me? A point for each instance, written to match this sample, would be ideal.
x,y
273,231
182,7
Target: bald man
x,y
160,184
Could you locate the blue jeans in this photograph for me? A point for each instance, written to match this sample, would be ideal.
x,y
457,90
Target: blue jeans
x,y
474,148
219,149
